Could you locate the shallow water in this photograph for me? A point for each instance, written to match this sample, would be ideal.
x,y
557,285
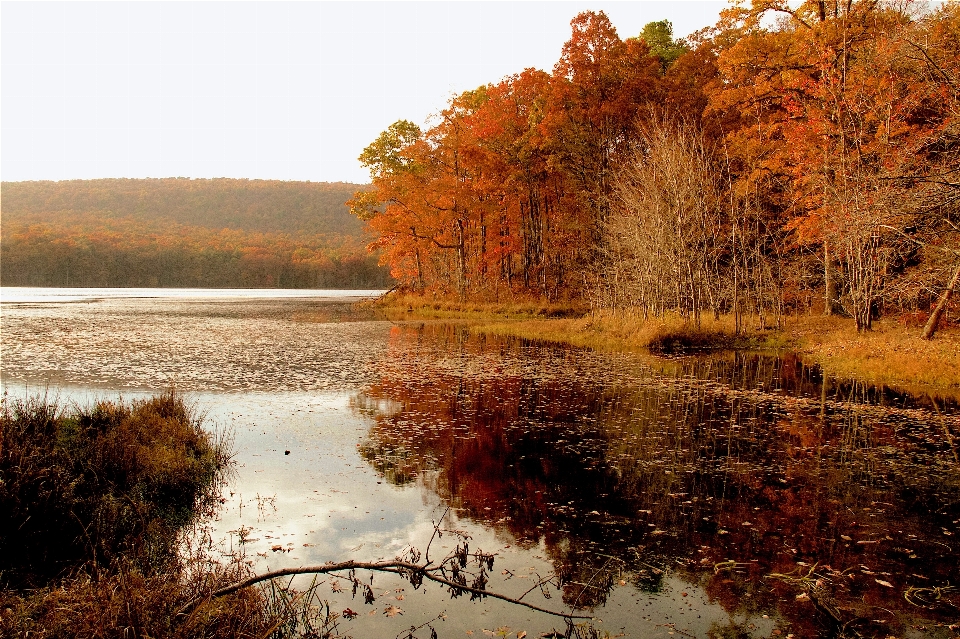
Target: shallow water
x,y
705,496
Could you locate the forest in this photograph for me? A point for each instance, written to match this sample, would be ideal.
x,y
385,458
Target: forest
x,y
179,232
789,159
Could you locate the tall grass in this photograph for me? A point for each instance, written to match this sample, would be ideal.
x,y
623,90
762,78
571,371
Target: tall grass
x,y
90,485
97,505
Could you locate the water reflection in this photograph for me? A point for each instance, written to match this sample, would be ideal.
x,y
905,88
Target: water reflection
x,y
829,507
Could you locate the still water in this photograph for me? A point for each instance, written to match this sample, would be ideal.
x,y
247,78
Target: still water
x,y
724,495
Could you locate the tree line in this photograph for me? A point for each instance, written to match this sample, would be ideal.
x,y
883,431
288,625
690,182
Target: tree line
x,y
178,232
786,159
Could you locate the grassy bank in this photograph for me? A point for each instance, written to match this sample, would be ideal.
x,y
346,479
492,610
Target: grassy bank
x,y
95,484
891,354
97,504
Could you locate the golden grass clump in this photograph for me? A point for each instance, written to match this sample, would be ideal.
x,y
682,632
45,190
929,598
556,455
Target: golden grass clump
x,y
94,484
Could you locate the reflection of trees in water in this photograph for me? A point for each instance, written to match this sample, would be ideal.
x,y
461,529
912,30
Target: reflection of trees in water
x,y
628,479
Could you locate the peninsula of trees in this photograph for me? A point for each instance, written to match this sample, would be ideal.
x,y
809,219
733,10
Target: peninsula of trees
x,y
178,232
790,158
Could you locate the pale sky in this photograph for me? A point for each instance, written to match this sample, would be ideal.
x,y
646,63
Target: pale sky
x,y
288,91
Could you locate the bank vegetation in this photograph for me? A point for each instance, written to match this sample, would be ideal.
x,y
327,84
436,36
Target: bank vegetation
x,y
99,505
792,161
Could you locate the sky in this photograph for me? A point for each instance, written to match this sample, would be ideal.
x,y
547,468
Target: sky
x,y
287,91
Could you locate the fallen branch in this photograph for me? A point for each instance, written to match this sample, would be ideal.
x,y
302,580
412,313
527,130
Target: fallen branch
x,y
396,567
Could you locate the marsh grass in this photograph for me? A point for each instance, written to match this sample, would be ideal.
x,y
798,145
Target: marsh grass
x,y
91,485
99,537
123,601
891,354
626,331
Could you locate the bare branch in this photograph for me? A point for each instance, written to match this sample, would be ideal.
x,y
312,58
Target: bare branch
x,y
396,567
926,55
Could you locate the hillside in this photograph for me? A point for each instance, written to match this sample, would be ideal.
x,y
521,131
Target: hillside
x,y
266,206
182,232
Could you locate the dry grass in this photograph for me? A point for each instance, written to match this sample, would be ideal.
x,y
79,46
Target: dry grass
x,y
630,332
125,602
891,354
404,306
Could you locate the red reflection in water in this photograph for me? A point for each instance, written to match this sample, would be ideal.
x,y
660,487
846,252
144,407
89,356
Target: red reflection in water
x,y
746,475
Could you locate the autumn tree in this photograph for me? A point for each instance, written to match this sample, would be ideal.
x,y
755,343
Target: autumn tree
x,y
832,125
511,182
600,82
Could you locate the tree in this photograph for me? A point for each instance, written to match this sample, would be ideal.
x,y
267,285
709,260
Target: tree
x,y
838,119
599,83
665,238
659,39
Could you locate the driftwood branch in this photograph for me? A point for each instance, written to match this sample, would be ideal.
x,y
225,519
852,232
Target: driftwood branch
x,y
397,567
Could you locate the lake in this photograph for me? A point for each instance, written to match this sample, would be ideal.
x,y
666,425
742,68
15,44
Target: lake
x,y
715,495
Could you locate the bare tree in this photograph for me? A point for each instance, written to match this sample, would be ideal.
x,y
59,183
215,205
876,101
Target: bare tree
x,y
665,235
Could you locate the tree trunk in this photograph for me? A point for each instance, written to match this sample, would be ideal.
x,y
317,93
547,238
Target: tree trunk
x,y
934,320
420,283
829,282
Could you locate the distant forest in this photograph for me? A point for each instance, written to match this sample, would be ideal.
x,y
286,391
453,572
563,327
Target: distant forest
x,y
179,232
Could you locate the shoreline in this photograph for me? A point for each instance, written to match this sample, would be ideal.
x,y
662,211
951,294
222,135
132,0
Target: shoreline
x,y
891,355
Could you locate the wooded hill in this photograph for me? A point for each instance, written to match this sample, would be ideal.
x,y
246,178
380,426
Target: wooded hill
x,y
178,232
789,158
